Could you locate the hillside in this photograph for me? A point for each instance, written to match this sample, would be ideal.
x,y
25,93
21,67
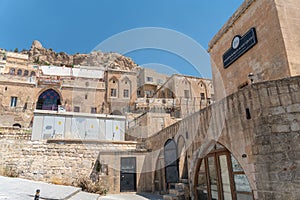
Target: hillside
x,y
43,56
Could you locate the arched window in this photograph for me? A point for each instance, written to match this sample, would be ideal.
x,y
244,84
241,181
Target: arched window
x,y
220,176
171,162
182,158
32,73
19,72
114,87
12,71
26,73
126,87
48,100
116,112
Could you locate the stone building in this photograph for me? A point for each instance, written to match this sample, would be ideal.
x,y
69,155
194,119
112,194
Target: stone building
x,y
243,146
180,95
270,25
121,90
47,88
27,86
149,81
190,94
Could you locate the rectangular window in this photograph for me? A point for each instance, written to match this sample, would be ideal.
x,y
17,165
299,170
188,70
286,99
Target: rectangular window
x,y
148,93
13,101
138,92
93,110
149,79
202,96
159,81
113,92
76,109
208,100
186,94
126,93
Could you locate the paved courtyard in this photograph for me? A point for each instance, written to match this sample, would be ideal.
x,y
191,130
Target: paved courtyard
x,y
132,196
22,189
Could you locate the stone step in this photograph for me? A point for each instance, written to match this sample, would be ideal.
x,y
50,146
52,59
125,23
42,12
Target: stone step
x,y
184,189
173,197
176,192
185,181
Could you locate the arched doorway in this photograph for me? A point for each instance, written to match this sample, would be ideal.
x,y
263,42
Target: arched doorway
x,y
171,162
220,176
159,181
116,112
48,100
182,158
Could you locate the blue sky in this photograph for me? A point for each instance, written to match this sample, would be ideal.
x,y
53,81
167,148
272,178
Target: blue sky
x,y
79,26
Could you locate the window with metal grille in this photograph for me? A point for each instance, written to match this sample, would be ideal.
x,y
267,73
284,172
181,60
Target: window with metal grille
x,y
13,101
113,92
76,109
126,93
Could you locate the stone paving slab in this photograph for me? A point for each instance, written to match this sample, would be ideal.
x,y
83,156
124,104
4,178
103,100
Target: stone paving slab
x,y
132,196
22,189
85,196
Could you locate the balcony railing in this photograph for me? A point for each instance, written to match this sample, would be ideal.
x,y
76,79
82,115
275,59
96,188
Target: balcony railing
x,y
17,79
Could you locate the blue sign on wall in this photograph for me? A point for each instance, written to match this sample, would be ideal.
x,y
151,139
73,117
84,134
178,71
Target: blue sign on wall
x,y
239,46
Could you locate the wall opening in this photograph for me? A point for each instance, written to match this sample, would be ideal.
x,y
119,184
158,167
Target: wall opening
x,y
171,163
220,176
48,100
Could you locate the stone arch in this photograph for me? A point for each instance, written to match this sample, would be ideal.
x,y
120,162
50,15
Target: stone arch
x,y
185,81
26,72
116,112
182,158
171,162
159,174
17,125
48,99
113,87
32,73
19,72
12,71
126,85
219,174
203,102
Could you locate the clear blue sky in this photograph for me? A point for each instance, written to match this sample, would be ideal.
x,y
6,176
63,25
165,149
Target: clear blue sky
x,y
79,26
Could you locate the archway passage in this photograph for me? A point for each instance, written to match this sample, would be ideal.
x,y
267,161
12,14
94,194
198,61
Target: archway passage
x,y
159,181
182,159
220,176
171,162
48,100
116,112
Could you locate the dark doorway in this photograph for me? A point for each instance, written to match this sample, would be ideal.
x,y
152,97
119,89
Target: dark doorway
x,y
128,174
48,100
171,163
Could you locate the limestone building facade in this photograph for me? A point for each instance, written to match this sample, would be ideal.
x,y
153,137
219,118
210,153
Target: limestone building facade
x,y
26,86
274,53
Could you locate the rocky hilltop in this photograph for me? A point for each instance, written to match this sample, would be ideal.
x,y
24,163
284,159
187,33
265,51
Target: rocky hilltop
x,y
43,56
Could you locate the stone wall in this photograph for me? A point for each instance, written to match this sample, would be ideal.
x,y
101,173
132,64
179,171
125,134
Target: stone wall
x,y
289,17
265,140
72,93
63,162
274,56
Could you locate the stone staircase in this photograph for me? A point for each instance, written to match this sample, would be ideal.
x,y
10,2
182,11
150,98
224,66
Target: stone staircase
x,y
178,191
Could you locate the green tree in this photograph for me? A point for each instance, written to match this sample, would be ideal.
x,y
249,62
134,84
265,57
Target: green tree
x,y
16,50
